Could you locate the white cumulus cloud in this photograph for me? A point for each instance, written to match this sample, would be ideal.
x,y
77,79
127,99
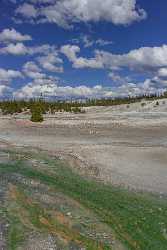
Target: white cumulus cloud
x,y
5,91
27,10
21,49
11,35
51,89
6,75
51,62
80,62
67,12
145,59
14,49
31,70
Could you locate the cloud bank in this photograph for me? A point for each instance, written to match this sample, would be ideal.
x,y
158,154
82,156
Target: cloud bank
x,y
65,13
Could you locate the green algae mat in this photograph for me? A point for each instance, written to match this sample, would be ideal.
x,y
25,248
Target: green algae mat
x,y
45,205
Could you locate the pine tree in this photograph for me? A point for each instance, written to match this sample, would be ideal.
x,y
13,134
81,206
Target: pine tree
x,y
36,114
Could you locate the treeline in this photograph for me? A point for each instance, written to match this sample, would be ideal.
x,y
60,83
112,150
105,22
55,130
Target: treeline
x,y
19,106
51,107
123,100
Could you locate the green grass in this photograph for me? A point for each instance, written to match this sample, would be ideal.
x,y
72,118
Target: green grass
x,y
139,220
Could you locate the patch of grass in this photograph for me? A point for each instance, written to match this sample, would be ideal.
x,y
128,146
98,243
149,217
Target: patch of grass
x,y
139,220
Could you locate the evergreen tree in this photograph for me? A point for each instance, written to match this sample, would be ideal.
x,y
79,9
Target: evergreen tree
x,y
36,114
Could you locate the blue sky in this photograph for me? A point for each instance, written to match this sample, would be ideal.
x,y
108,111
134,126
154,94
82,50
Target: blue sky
x,y
82,48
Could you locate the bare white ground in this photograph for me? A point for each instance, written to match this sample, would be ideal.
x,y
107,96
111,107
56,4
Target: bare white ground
x,y
126,145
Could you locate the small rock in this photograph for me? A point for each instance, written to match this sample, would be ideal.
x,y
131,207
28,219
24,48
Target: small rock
x,y
69,214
